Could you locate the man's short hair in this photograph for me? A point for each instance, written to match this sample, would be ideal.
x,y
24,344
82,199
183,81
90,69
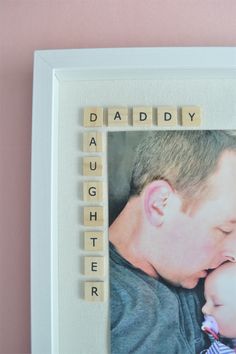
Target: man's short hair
x,y
185,159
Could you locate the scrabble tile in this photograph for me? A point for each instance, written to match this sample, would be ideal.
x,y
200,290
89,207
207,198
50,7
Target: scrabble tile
x,y
167,116
118,116
191,116
93,142
93,241
93,216
93,191
92,166
142,116
93,117
94,266
94,291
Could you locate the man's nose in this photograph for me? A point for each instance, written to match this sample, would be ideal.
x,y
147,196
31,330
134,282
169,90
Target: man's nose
x,y
230,256
227,254
230,249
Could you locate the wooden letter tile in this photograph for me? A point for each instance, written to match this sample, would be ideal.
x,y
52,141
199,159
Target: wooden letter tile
x,y
93,142
94,291
93,241
92,166
191,116
94,266
93,117
93,191
118,116
93,216
167,116
142,116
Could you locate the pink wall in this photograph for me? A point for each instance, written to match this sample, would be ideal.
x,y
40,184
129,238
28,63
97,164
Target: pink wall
x,y
26,25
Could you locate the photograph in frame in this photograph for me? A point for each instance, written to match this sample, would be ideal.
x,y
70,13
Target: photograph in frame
x,y
172,226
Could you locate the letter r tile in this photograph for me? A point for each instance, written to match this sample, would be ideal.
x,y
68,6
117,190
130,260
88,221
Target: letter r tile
x,y
94,291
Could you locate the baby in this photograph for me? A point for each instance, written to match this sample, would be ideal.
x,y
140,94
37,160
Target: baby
x,y
220,309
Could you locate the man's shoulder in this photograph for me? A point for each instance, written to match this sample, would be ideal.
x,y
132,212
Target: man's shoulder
x,y
125,278
145,309
134,294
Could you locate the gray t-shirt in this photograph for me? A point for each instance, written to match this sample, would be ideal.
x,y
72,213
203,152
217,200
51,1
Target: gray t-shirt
x,y
149,316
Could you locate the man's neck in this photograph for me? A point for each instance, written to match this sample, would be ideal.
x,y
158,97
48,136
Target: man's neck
x,y
126,235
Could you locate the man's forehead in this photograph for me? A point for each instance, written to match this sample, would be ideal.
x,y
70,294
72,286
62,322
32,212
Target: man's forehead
x,y
220,190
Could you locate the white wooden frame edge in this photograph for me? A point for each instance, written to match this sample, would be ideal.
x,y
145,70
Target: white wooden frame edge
x,y
51,67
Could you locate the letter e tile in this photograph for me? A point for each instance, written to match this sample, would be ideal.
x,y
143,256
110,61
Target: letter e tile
x,y
94,266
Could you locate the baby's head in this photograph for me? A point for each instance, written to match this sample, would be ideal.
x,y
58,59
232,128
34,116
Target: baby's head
x,y
220,295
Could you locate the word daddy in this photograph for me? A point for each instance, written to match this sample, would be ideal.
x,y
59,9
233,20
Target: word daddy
x,y
189,116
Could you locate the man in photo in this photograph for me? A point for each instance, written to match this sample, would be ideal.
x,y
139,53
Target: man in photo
x,y
178,223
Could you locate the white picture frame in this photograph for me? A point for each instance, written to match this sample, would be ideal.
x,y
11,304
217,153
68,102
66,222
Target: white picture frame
x,y
51,69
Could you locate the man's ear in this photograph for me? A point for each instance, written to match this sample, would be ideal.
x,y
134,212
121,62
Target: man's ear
x,y
156,196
